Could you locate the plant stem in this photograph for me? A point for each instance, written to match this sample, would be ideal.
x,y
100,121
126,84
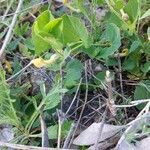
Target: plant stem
x,y
34,116
7,38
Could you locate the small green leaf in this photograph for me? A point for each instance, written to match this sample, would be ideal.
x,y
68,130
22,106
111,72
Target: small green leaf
x,y
53,130
132,62
142,91
146,67
52,99
133,9
44,19
20,30
134,46
73,69
146,14
119,4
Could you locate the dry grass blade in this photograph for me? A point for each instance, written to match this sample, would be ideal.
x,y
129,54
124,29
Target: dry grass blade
x,y
24,147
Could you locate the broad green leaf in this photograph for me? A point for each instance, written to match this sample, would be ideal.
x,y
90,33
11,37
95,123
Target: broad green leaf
x,y
73,69
146,14
110,37
39,42
54,28
69,33
44,19
132,62
52,24
48,32
117,20
74,30
42,27
133,9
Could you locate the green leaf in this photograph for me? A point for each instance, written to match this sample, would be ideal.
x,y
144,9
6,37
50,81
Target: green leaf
x,y
28,43
53,130
142,91
133,9
41,30
20,30
100,2
134,46
73,69
132,62
119,4
100,78
92,51
111,36
146,14
48,32
52,99
17,66
8,114
146,67
41,45
44,19
74,30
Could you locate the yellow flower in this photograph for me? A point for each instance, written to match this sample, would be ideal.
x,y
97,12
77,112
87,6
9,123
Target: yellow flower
x,y
40,62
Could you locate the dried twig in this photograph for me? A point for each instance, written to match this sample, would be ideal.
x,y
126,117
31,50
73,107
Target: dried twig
x,y
69,136
25,147
19,72
110,106
143,114
85,102
110,100
133,103
8,35
61,119
120,75
45,142
7,10
22,11
74,98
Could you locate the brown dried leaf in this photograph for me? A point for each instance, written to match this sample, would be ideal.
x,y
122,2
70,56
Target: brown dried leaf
x,y
89,136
